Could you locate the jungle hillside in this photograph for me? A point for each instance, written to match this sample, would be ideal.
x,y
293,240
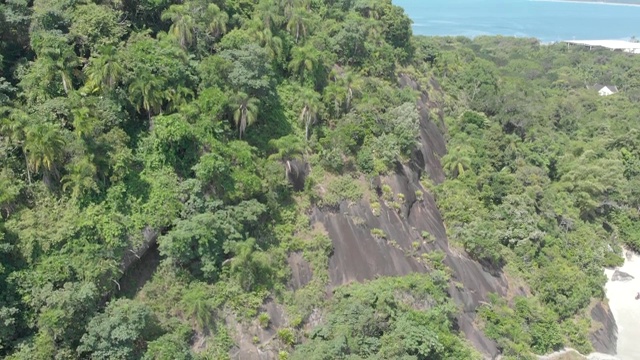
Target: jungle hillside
x,y
303,179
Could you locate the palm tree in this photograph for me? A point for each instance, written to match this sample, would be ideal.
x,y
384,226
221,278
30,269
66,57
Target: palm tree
x,y
272,43
146,93
183,24
217,20
197,304
353,84
81,178
269,12
457,161
305,61
61,62
246,112
178,96
44,147
298,23
334,94
311,106
84,123
13,129
104,71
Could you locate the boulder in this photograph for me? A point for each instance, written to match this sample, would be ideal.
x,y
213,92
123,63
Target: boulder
x,y
621,276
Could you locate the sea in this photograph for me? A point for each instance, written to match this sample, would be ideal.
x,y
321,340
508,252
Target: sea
x,y
547,20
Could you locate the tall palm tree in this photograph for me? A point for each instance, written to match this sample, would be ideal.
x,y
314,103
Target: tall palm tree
x,y
246,111
305,61
13,129
353,84
334,94
269,13
298,23
178,96
84,123
311,106
61,62
81,178
218,20
146,93
457,161
183,24
44,146
105,70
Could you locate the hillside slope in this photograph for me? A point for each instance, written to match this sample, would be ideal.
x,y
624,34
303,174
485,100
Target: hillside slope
x,y
304,179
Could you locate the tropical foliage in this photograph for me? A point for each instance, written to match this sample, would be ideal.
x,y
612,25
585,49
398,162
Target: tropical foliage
x,y
149,152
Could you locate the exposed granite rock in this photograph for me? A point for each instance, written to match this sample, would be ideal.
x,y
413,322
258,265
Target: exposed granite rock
x,y
254,342
621,276
301,272
605,337
297,172
359,256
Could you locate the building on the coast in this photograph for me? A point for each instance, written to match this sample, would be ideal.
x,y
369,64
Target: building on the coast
x,y
604,90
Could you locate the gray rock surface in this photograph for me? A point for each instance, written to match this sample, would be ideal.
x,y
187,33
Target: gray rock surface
x,y
621,276
360,256
605,337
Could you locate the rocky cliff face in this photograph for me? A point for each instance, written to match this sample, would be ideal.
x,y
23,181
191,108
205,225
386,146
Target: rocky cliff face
x,y
397,246
359,255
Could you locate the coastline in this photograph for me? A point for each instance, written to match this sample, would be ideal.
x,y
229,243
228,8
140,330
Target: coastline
x,y
593,2
624,306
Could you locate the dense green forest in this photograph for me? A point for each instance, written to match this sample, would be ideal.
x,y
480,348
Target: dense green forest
x,y
176,126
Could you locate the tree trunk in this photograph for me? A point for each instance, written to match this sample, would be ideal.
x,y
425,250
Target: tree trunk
x,y
26,162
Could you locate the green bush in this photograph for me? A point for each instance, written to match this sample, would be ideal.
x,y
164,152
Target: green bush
x,y
264,319
286,336
340,189
378,233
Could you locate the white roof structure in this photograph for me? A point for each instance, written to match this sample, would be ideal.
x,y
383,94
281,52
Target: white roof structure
x,y
626,46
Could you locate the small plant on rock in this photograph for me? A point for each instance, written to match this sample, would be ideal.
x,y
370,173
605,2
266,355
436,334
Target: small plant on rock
x,y
427,237
264,320
375,208
378,233
387,192
286,336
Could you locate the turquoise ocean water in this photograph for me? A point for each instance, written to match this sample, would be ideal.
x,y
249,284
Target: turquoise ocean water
x,y
546,20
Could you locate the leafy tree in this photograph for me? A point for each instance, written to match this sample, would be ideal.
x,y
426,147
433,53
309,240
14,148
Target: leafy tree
x,y
121,332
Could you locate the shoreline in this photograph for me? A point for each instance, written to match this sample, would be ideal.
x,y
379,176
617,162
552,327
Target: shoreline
x,y
624,306
592,2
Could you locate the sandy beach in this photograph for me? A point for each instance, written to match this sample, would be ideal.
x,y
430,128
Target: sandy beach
x,y
625,308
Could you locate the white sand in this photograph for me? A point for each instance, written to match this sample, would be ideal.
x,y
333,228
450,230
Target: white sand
x,y
626,309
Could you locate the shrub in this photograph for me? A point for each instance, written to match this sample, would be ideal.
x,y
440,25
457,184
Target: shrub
x,y
378,233
264,320
387,193
426,236
375,208
342,188
286,336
